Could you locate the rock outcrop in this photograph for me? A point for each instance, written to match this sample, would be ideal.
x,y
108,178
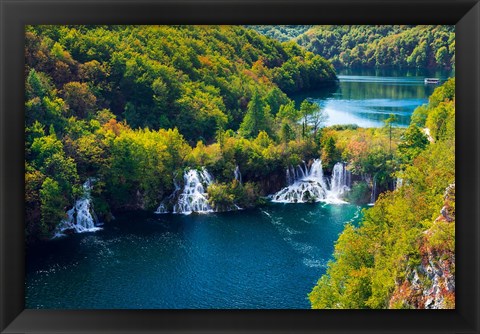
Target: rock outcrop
x,y
431,284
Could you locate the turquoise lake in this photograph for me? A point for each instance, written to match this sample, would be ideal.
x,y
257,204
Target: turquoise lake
x,y
270,257
368,97
265,258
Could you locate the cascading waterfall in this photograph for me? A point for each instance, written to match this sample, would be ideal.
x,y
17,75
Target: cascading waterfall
x,y
301,173
81,217
305,168
292,174
373,195
340,179
163,207
309,185
194,195
305,184
237,174
349,178
288,177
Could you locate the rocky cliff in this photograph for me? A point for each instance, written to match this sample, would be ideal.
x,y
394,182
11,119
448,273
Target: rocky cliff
x,y
431,283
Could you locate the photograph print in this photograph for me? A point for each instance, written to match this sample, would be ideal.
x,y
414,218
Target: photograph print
x,y
240,167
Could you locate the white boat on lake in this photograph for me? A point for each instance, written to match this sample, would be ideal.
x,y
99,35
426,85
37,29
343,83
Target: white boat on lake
x,y
432,80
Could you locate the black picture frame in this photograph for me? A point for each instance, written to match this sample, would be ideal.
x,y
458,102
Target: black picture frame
x,y
15,14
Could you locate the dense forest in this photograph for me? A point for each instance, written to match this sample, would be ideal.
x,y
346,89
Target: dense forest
x,y
133,106
282,33
403,253
360,46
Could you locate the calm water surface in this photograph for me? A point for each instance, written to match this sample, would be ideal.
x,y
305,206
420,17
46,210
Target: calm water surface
x,y
368,97
269,257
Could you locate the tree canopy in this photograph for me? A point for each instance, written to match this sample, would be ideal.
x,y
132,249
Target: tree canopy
x,y
355,46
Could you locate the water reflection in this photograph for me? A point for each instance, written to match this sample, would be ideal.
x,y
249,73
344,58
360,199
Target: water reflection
x,y
368,97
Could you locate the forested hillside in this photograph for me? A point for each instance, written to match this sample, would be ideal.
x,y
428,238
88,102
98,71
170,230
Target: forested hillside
x,y
133,106
402,254
383,46
282,33
368,46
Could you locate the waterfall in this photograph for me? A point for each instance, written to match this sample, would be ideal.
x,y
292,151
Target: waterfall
x,y
237,174
300,172
293,176
163,207
348,181
81,217
306,185
373,195
309,185
340,179
316,172
194,195
305,171
288,178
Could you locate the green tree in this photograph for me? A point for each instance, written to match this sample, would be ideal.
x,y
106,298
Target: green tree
x,y
288,112
52,206
318,119
286,132
202,113
442,56
413,143
389,124
440,120
419,116
79,98
257,118
101,101
330,153
308,110
37,84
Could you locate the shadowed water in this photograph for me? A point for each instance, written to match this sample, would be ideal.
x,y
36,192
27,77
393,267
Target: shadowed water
x,y
269,257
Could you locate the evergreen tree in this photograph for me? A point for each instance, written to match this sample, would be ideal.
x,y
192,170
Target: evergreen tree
x,y
388,124
257,118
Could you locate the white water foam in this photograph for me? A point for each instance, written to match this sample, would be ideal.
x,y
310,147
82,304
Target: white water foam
x,y
309,185
313,263
194,196
81,217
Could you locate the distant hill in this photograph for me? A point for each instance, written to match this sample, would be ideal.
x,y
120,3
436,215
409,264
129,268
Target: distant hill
x,y
383,46
281,33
